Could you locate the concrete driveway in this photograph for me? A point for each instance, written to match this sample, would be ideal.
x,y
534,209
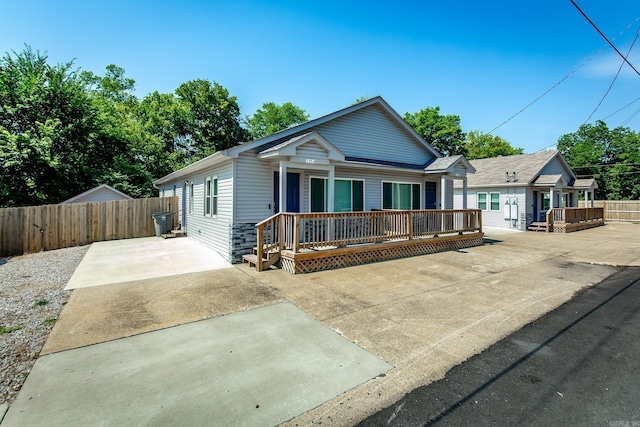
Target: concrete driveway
x,y
119,261
421,315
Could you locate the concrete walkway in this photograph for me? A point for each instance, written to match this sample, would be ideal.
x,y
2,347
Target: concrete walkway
x,y
422,315
260,367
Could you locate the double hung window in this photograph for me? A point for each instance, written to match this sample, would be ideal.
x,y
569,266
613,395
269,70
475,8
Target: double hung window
x,y
400,196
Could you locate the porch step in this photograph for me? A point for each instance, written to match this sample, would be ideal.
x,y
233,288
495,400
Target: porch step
x,y
174,233
537,226
250,259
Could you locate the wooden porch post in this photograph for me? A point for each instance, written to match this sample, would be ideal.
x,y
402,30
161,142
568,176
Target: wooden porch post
x,y
283,187
464,193
443,191
551,199
331,189
331,223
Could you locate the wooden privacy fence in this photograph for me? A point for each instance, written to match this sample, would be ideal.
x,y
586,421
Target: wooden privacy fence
x,y
618,210
36,228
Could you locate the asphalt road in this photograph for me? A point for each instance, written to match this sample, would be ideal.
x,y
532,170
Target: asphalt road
x,y
577,365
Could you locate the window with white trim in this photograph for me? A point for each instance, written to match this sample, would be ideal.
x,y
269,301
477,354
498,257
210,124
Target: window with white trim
x,y
348,195
211,196
191,197
400,196
488,201
495,201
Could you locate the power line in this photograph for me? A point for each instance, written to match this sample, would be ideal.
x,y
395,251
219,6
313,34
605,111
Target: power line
x,y
606,165
564,78
613,81
604,37
617,111
635,113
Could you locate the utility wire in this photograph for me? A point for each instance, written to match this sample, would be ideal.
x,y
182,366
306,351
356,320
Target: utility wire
x,y
635,113
617,111
614,79
606,165
604,37
563,79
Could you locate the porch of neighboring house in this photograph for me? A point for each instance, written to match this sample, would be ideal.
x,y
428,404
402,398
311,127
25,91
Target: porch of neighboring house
x,y
559,212
308,242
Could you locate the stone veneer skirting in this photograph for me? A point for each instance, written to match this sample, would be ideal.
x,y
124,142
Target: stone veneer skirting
x,y
242,240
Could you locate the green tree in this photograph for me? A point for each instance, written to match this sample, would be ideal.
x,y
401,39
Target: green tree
x,y
611,156
482,146
361,99
214,118
443,132
272,118
51,139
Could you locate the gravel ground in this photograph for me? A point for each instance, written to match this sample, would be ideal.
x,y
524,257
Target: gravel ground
x,y
31,298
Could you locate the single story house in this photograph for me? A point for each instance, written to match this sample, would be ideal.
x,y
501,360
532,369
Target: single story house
x,y
514,191
101,193
362,158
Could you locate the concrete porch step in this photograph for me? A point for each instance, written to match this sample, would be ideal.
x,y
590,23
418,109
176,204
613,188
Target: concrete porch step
x,y
174,233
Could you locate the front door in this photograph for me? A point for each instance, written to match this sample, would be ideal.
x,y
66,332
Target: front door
x,y
293,192
430,195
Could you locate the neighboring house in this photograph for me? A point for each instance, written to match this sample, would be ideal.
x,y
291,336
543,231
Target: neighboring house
x,y
101,193
514,191
361,158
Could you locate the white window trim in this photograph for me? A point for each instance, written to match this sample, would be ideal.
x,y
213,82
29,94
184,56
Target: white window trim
x,y
490,208
213,196
487,200
364,196
190,196
402,182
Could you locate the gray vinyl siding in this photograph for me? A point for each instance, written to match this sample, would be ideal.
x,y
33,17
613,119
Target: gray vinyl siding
x,y
370,133
496,218
254,187
212,232
312,151
555,167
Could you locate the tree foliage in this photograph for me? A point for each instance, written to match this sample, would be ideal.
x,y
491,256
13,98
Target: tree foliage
x,y
64,131
271,118
53,139
443,132
482,146
611,156
213,118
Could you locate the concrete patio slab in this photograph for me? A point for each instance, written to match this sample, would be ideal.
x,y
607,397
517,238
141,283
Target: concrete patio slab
x,y
119,261
259,367
3,410
102,313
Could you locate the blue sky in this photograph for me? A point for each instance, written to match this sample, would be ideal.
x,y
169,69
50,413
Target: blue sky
x,y
483,61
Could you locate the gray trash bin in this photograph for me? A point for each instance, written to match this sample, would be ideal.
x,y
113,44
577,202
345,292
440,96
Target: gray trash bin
x,y
162,222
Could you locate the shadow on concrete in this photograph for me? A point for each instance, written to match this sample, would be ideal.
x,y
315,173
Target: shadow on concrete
x,y
593,339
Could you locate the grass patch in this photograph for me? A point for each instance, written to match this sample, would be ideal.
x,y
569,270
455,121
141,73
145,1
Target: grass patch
x,y
41,303
50,320
4,330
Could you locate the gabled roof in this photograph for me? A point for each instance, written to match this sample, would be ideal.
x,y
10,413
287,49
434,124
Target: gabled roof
x,y
448,164
275,139
549,180
585,184
288,147
491,172
101,187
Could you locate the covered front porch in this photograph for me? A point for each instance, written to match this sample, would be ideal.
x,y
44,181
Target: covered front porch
x,y
308,242
558,202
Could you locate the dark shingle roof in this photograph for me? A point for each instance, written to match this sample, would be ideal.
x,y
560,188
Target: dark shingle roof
x,y
492,171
